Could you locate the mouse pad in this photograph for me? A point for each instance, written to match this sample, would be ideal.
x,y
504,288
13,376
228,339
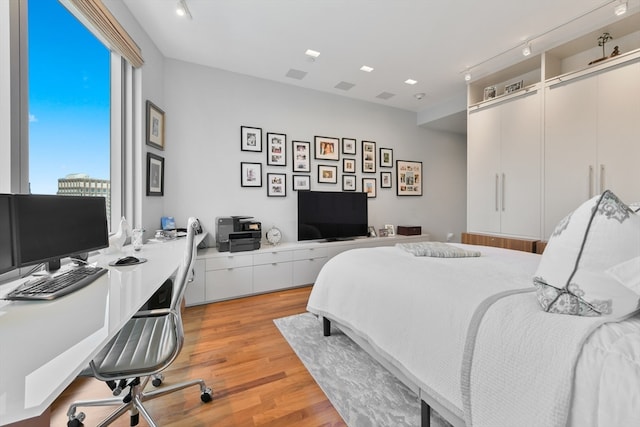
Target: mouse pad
x,y
140,261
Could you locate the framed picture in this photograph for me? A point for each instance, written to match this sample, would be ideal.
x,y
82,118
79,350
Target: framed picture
x,y
301,156
489,93
348,146
327,148
386,158
390,229
276,185
251,174
349,165
513,87
155,175
369,187
372,231
348,183
301,182
250,139
408,178
368,157
385,179
276,149
155,126
327,174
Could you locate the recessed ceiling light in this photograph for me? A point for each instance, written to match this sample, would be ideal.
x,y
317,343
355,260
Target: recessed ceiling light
x,y
411,81
312,53
366,68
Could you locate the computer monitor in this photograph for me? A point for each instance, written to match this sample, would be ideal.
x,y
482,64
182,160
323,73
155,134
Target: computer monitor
x,y
7,249
48,228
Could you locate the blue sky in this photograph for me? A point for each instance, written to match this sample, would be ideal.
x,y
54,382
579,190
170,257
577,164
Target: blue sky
x,y
68,98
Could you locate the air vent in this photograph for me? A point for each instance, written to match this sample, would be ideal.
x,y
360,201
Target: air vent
x,y
296,74
386,95
344,86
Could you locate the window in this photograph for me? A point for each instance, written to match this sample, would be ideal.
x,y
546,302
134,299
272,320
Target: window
x,y
69,104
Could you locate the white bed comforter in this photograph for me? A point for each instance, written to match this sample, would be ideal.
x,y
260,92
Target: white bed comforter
x,y
416,312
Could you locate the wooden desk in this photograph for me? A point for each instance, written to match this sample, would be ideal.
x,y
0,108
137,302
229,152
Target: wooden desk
x,y
44,345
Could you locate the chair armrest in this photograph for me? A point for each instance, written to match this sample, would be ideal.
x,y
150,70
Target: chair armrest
x,y
154,312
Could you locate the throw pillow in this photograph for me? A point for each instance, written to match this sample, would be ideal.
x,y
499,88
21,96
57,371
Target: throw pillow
x,y
572,275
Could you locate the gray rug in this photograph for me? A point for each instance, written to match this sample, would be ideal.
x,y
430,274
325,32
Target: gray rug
x,y
363,392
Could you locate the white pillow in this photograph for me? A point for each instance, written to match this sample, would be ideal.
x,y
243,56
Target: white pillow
x,y
627,273
571,277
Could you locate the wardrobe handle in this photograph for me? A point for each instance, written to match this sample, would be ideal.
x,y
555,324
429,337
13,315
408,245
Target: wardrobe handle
x,y
496,195
590,181
601,178
503,180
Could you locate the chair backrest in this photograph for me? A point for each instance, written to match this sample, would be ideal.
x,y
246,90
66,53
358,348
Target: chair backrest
x,y
185,271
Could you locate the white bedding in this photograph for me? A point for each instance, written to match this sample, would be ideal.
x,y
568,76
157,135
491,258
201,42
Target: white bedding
x,y
415,311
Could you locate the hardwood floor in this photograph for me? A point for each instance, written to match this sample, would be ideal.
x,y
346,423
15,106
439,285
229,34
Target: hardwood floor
x,y
257,379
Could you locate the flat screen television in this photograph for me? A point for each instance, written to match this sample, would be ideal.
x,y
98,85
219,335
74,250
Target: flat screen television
x,y
332,215
7,250
48,228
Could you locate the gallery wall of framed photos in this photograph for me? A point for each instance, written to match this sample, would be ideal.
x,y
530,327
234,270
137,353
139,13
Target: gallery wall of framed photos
x,y
327,163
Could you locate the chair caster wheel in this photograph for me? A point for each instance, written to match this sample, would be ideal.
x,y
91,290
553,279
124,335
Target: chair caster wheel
x,y
77,420
157,380
206,396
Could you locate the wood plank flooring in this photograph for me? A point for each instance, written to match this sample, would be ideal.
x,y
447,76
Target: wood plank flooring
x,y
257,379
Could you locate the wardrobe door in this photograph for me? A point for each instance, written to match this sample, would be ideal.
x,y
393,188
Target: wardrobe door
x,y
569,148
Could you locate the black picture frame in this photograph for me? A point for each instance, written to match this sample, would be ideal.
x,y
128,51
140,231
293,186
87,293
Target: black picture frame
x,y
369,186
349,183
277,185
250,174
250,139
348,165
327,148
155,126
409,178
386,179
155,175
301,156
386,157
301,182
368,157
276,149
327,174
349,146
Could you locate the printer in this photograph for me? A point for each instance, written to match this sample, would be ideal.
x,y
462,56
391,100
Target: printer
x,y
237,233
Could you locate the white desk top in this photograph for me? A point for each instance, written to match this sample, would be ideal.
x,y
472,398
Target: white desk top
x,y
44,345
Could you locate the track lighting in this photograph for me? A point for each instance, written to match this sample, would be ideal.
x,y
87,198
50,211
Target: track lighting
x,y
621,8
526,50
182,9
467,77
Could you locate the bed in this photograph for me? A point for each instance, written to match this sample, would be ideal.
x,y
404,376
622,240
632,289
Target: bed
x,y
472,336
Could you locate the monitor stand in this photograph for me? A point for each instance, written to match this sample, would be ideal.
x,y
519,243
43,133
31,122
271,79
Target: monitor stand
x,y
53,264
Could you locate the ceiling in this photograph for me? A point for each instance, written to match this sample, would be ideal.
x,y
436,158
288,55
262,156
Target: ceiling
x,y
428,41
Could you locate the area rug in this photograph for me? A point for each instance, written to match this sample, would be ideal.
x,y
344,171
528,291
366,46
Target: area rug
x,y
364,393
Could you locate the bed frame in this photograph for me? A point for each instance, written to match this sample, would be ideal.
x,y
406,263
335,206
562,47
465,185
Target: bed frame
x,y
427,401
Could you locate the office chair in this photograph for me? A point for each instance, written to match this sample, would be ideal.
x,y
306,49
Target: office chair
x,y
145,346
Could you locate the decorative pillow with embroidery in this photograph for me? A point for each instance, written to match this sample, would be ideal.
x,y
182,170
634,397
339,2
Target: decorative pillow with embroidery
x,y
572,275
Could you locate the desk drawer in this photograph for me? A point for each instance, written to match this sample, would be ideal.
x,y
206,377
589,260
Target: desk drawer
x,y
229,261
228,283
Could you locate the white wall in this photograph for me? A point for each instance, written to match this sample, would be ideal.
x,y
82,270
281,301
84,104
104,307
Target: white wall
x,y
205,108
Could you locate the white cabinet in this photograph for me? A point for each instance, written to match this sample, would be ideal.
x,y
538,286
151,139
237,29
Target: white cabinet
x,y
504,167
224,275
592,140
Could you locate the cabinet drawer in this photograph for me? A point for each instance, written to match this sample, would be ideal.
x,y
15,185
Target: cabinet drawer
x,y
228,261
272,257
306,271
310,253
228,283
270,277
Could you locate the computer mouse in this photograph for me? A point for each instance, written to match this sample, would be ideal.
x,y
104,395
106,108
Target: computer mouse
x,y
128,260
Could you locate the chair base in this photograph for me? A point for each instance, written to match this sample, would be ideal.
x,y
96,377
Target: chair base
x,y
134,404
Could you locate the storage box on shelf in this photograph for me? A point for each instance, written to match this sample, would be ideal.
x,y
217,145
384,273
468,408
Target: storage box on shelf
x,y
224,275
